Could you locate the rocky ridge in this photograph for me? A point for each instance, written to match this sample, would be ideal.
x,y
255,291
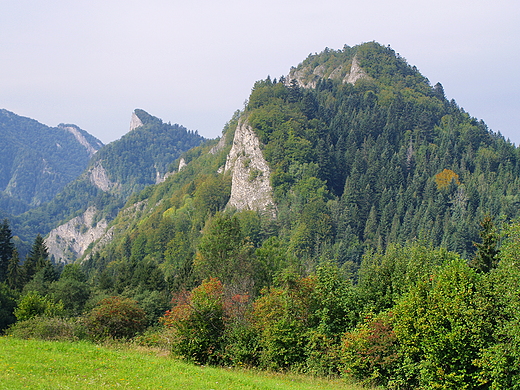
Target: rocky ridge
x,y
308,76
74,130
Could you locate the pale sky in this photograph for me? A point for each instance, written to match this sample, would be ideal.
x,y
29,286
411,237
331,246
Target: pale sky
x,y
93,62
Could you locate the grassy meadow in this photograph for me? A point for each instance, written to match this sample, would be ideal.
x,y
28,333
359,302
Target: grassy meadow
x,y
32,364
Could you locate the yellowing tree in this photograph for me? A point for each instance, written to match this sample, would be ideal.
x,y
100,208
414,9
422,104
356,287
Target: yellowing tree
x,y
444,178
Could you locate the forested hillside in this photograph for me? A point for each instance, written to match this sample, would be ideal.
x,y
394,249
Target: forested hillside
x,y
388,254
37,161
142,157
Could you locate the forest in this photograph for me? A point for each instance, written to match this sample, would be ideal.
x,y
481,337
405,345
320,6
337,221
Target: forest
x,y
392,258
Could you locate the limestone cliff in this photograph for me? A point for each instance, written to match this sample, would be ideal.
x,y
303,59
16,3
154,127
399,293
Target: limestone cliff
x,y
69,241
250,187
99,177
135,122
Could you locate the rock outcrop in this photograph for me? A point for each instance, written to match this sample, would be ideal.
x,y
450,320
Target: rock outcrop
x,y
99,177
250,187
356,72
308,76
69,241
135,122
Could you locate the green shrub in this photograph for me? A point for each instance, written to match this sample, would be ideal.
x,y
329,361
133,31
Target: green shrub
x,y
115,317
197,323
33,304
48,328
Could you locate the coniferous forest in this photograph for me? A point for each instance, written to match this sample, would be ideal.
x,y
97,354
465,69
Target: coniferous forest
x,y
390,256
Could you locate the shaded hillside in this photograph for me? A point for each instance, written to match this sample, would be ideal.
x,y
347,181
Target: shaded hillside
x,y
140,158
37,161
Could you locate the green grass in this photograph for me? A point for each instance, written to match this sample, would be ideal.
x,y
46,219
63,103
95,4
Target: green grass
x,y
32,364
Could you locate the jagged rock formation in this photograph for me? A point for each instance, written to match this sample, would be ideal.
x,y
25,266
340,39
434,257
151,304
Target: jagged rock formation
x,y
69,241
135,122
356,72
250,188
308,76
99,177
182,164
219,146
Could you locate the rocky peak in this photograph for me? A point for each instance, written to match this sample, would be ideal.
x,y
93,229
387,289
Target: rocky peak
x,y
135,122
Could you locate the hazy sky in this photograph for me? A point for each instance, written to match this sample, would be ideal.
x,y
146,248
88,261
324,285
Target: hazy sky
x,y
93,62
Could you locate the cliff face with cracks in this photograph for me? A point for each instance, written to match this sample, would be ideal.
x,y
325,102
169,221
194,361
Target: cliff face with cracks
x,y
69,241
250,188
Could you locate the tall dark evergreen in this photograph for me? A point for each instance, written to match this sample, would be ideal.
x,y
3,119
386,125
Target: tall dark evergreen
x,y
487,255
6,248
14,272
36,260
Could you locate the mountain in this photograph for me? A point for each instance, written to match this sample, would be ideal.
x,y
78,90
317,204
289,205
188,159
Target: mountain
x,y
83,208
349,214
37,161
353,150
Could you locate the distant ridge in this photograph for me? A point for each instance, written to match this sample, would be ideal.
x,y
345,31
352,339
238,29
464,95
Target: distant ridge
x,y
37,161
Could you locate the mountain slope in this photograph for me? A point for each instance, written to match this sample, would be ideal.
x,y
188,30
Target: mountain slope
x,y
140,158
37,161
361,151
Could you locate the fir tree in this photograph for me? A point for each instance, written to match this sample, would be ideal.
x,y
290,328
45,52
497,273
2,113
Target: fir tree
x,y
36,259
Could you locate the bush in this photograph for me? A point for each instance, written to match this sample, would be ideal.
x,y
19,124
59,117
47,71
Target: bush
x,y
33,304
116,318
369,352
197,323
48,328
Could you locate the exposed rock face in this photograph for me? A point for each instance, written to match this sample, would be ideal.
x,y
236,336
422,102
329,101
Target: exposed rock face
x,y
98,177
182,164
356,72
219,146
161,178
91,149
307,77
135,122
250,186
70,240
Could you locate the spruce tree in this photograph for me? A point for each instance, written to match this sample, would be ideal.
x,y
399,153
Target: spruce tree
x,y
14,279
486,257
6,248
35,260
